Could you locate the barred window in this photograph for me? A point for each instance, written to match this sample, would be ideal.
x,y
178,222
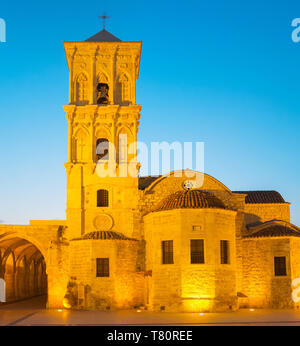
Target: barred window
x,y
102,267
167,252
197,251
102,198
224,247
280,266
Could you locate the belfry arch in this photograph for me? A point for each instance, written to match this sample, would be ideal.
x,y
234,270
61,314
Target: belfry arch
x,y
23,268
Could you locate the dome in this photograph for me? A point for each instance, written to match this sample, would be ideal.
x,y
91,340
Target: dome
x,y
190,199
104,235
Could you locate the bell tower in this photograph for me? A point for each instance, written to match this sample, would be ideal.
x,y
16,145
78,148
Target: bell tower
x,y
103,120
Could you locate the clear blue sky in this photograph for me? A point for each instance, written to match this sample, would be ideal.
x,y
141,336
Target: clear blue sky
x,y
223,72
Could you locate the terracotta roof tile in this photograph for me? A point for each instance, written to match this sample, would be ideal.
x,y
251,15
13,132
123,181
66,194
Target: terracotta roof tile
x,y
258,196
144,182
190,199
274,231
104,235
262,197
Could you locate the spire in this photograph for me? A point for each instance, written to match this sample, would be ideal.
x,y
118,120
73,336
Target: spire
x,y
103,35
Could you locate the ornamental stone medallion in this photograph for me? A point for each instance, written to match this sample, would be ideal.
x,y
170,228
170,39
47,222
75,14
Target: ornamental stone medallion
x,y
103,222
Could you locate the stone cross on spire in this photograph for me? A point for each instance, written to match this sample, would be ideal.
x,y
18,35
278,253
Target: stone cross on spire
x,y
104,17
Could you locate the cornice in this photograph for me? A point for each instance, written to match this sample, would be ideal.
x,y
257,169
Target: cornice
x,y
100,110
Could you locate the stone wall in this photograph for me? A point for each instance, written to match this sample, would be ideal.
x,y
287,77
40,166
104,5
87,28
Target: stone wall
x,y
295,268
58,273
183,286
262,288
28,269
267,212
123,289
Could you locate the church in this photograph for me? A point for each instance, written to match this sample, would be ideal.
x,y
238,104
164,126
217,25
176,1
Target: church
x,y
161,243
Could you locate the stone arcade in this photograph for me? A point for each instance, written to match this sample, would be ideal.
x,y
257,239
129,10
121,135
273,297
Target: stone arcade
x,y
150,242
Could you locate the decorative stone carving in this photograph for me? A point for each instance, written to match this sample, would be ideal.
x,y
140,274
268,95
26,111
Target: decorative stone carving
x,y
103,222
123,89
82,89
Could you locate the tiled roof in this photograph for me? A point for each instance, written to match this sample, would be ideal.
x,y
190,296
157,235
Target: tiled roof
x,y
190,199
144,182
262,196
272,228
104,235
103,36
274,231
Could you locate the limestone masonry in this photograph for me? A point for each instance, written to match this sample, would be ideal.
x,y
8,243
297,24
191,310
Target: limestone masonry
x,y
161,243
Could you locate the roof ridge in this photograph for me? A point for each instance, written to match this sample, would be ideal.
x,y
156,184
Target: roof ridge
x,y
261,196
103,36
273,231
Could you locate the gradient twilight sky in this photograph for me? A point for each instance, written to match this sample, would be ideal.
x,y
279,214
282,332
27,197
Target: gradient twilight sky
x,y
224,72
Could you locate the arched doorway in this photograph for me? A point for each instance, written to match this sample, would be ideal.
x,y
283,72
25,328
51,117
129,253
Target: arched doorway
x,y
23,268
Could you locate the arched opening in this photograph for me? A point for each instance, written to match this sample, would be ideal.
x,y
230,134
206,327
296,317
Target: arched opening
x,y
102,149
102,98
23,269
102,89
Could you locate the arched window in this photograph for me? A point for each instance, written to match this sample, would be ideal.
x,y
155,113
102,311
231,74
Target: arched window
x,y
80,146
124,94
102,198
102,89
81,89
102,149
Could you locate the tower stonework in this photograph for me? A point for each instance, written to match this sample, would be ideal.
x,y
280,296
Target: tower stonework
x,y
157,243
97,128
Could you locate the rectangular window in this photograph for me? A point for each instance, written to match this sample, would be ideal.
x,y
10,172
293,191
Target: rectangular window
x,y
196,228
102,267
224,247
167,252
280,266
102,198
197,251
